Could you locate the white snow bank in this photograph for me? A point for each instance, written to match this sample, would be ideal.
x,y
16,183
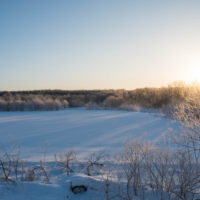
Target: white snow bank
x,y
58,190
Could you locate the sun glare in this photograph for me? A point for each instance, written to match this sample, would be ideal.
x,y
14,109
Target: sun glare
x,y
193,74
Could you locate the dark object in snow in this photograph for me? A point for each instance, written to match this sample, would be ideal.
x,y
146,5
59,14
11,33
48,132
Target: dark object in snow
x,y
78,189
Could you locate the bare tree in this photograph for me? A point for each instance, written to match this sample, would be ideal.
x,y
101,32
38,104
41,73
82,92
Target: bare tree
x,y
37,172
94,162
159,171
10,165
66,160
188,112
131,159
186,183
5,166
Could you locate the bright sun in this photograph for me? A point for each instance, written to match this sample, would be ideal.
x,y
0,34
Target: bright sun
x,y
193,74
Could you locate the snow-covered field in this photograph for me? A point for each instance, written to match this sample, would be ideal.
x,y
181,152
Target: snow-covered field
x,y
40,134
58,190
44,134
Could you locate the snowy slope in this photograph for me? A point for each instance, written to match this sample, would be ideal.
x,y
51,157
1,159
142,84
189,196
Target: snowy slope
x,y
46,133
58,190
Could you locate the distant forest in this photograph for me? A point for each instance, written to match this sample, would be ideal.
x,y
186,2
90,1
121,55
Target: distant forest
x,y
143,98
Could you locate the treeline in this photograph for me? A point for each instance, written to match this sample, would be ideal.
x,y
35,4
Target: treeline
x,y
22,102
143,98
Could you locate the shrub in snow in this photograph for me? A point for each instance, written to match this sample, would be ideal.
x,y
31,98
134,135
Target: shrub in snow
x,y
66,160
113,102
95,161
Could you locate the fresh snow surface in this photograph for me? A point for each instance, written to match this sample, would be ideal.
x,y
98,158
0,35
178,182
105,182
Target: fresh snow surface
x,y
44,134
58,190
40,135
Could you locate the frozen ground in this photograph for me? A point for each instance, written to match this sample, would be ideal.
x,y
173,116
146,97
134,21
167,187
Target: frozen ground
x,y
39,134
59,189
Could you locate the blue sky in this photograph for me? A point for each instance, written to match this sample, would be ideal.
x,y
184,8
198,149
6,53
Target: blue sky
x,y
98,44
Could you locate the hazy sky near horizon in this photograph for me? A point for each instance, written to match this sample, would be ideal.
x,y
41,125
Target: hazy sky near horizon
x,y
98,44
